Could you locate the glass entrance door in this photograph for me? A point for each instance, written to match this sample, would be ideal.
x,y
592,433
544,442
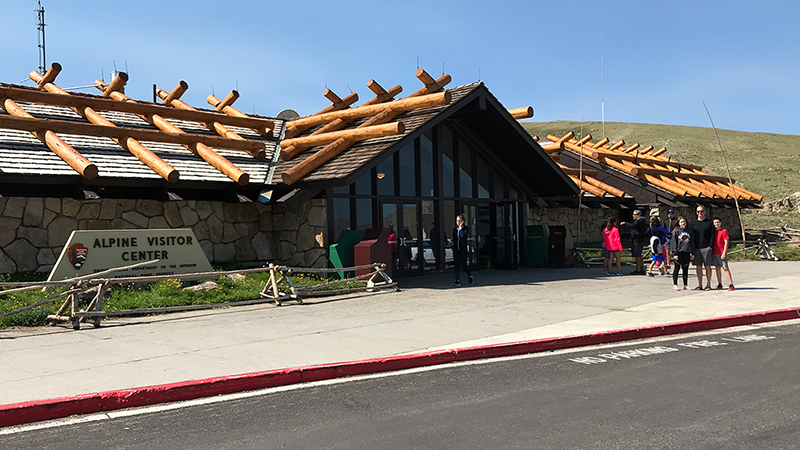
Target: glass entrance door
x,y
402,218
506,248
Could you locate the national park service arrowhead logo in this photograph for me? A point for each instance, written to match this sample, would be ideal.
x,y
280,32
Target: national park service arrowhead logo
x,y
77,254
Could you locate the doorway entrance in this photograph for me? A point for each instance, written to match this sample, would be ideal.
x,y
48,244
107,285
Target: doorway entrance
x,y
403,221
494,227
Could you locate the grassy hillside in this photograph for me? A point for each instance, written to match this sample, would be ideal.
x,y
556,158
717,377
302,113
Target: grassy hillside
x,y
765,163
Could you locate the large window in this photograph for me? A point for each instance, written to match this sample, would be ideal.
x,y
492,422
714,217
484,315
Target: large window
x,y
444,171
341,216
465,169
448,167
386,177
364,184
427,180
408,171
363,213
484,182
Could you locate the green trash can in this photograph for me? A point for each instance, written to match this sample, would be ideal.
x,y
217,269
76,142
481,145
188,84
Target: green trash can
x,y
341,254
536,246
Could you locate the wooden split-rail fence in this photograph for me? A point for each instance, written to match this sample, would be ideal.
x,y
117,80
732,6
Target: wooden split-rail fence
x,y
280,277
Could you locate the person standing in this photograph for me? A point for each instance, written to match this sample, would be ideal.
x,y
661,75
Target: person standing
x,y
703,234
638,235
613,246
681,246
669,224
720,253
658,242
460,241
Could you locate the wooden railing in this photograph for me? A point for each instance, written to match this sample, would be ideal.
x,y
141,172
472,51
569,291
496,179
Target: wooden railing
x,y
280,276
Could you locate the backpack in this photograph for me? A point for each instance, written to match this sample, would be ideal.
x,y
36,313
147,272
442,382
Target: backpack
x,y
655,245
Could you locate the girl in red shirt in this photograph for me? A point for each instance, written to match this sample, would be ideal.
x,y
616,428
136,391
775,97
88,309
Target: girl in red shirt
x,y
613,245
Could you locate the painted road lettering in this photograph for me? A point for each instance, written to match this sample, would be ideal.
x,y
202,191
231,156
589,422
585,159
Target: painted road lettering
x,y
749,338
658,350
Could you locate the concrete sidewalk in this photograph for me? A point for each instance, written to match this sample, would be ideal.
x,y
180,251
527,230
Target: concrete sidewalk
x,y
502,306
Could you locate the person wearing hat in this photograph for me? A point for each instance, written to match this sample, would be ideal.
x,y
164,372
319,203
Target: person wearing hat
x,y
669,224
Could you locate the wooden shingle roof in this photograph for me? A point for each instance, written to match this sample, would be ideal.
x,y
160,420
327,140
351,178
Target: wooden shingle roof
x,y
681,181
48,132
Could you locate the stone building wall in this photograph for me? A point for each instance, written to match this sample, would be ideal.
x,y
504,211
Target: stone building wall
x,y
300,229
34,230
592,221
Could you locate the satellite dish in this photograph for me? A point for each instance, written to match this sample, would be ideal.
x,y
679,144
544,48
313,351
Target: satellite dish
x,y
288,114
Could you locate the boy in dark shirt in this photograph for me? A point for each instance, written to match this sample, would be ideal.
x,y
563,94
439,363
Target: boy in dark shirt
x,y
703,234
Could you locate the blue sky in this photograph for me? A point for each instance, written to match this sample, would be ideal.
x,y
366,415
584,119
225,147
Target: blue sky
x,y
661,60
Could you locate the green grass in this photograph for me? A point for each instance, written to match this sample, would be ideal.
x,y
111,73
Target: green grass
x,y
159,294
765,163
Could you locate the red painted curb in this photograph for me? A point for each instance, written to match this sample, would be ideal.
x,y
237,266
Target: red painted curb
x,y
39,410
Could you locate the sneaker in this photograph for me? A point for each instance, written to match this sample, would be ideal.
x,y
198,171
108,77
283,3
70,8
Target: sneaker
x,y
676,288
471,280
457,283
609,273
619,274
730,287
687,288
667,274
719,287
650,274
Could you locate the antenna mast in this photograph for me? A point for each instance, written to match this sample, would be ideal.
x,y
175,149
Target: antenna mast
x,y
40,27
603,73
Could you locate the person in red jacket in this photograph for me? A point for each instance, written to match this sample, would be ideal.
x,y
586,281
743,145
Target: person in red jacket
x,y
613,245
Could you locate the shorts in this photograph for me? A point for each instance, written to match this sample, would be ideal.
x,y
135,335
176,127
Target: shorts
x,y
717,261
702,257
636,249
657,258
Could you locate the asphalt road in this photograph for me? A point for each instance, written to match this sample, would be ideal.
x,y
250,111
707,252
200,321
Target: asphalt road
x,y
735,389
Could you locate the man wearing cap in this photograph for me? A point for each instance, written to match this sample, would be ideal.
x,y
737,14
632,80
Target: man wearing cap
x,y
669,224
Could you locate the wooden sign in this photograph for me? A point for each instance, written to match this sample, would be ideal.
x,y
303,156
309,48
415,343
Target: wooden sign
x,y
90,251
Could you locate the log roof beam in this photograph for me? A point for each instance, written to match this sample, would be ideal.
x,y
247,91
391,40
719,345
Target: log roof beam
x,y
77,161
136,148
172,99
683,174
397,106
107,104
290,150
521,113
388,112
199,148
337,104
87,129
